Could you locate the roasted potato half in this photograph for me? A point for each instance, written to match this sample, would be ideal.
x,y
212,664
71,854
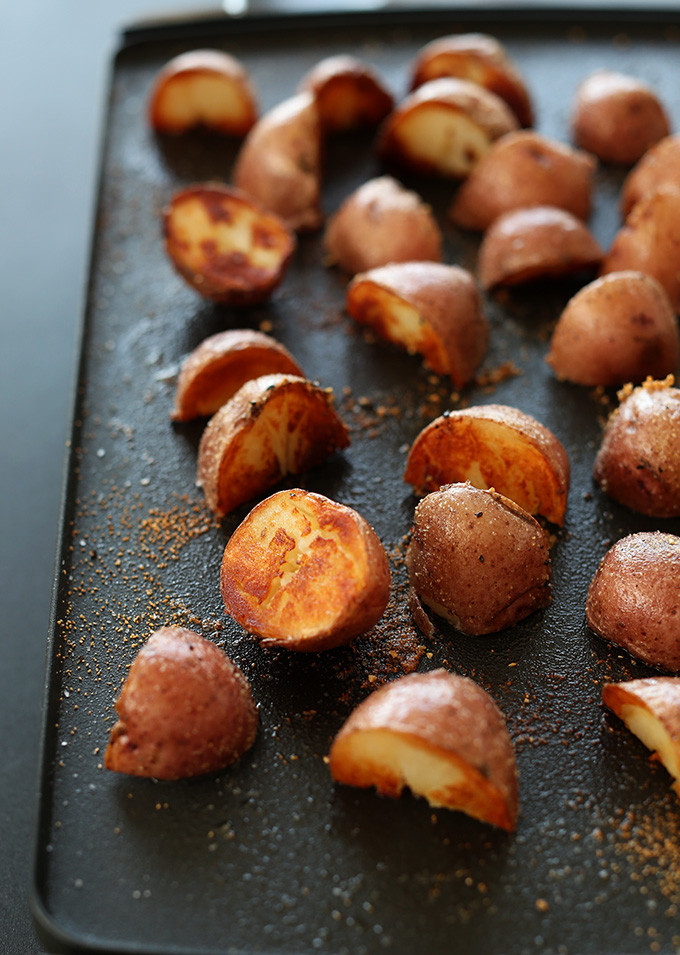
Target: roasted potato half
x,y
444,127
185,709
540,242
279,163
648,241
428,308
214,371
349,93
657,169
617,117
480,59
525,168
304,572
273,426
493,446
619,328
226,246
379,223
478,559
638,463
439,734
650,708
634,599
207,88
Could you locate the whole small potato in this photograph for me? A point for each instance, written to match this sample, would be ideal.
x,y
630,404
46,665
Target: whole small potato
x,y
634,598
619,328
478,559
617,117
441,735
638,463
185,709
349,93
657,169
525,168
379,223
540,242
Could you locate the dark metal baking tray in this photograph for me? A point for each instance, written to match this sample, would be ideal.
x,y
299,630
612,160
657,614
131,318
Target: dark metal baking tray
x,y
269,855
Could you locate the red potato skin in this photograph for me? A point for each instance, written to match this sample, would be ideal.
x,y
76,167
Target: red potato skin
x,y
634,599
449,715
185,710
348,93
658,695
657,170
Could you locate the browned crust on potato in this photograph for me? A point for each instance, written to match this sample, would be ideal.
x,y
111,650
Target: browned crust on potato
x,y
214,371
638,463
481,59
540,242
274,425
659,695
478,559
304,572
525,168
183,77
449,717
449,327
279,163
349,93
493,446
633,600
185,709
657,169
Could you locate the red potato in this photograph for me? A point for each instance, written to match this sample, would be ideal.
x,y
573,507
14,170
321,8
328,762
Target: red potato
x,y
523,169
185,709
478,559
650,708
444,127
619,328
439,734
649,241
216,369
348,92
480,59
273,426
540,242
428,308
493,446
226,246
304,572
634,598
657,169
207,88
279,163
379,223
638,463
617,117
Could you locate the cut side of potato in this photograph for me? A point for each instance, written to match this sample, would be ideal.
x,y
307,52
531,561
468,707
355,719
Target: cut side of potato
x,y
224,245
304,572
440,735
216,369
348,93
203,88
428,308
273,426
493,446
444,127
650,708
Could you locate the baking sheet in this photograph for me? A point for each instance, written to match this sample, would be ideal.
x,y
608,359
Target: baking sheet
x,y
269,855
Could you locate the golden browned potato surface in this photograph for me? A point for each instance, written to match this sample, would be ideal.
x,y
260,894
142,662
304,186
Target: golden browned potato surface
x,y
349,93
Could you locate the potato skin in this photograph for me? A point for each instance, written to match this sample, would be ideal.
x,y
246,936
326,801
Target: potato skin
x,y
478,559
523,169
337,588
619,328
185,709
381,222
539,242
449,716
617,117
348,93
657,169
638,463
453,331
634,600
493,446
